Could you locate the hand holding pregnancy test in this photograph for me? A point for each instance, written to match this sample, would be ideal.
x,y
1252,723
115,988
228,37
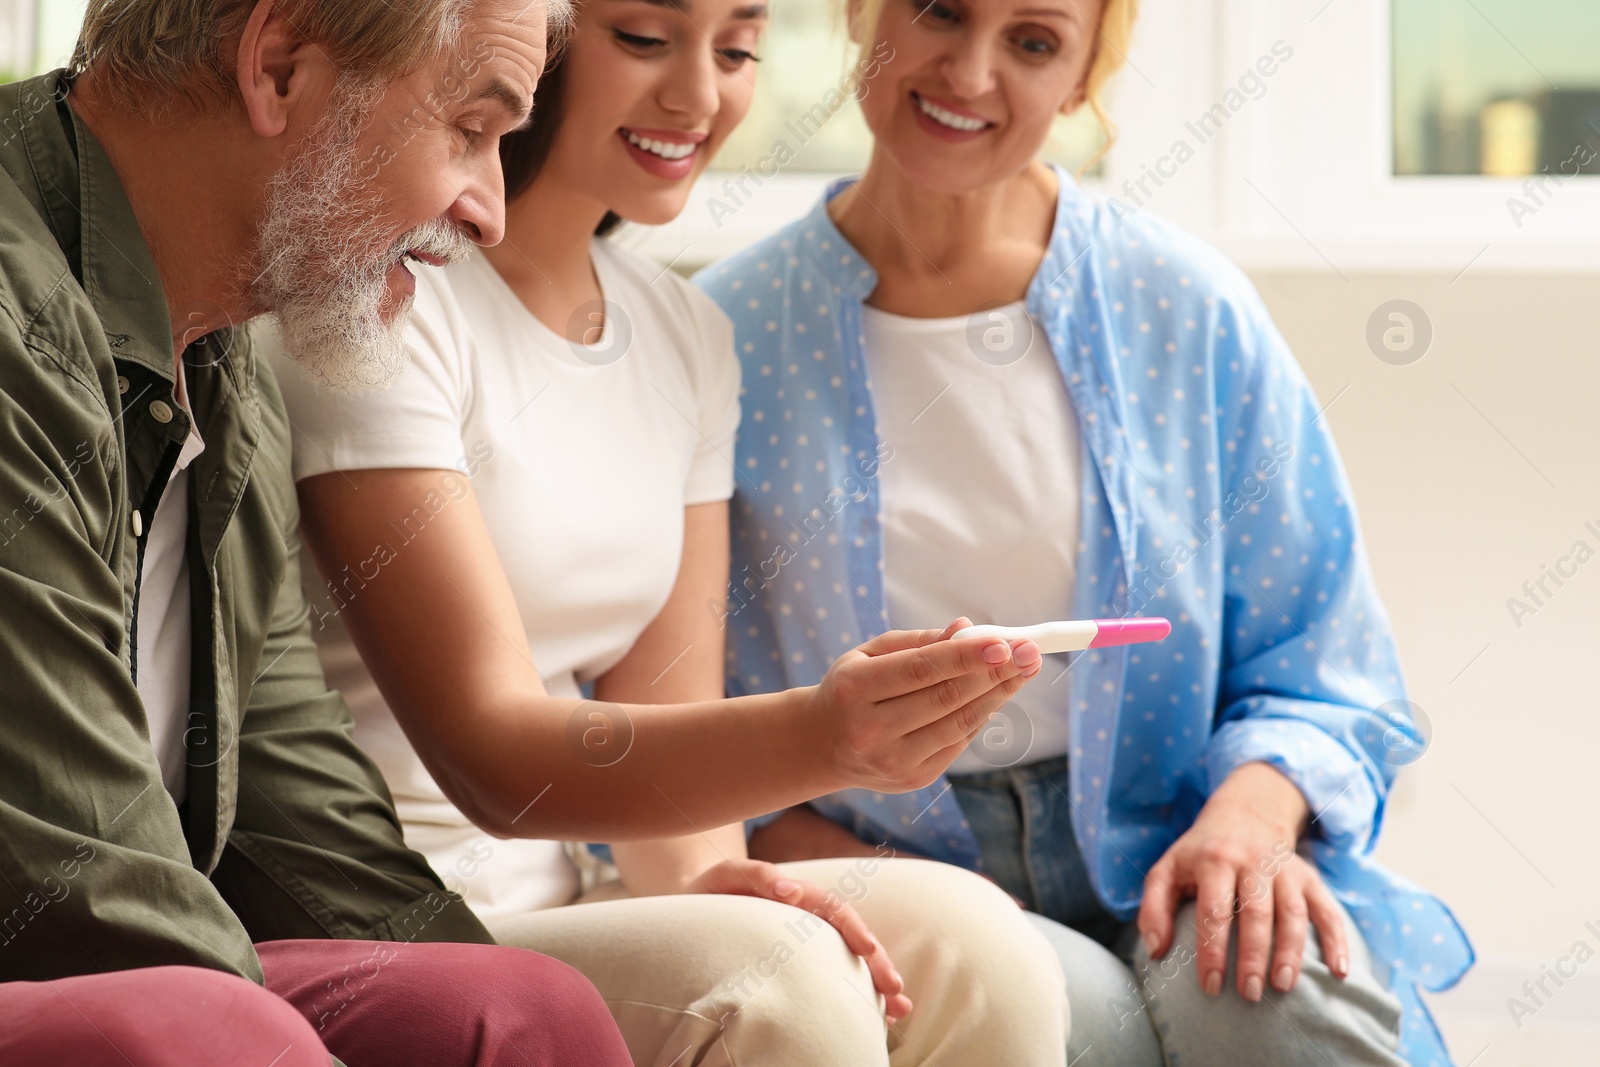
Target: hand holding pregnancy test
x,y
1077,635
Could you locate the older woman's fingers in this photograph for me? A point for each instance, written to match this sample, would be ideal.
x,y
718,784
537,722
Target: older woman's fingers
x,y
1256,907
1329,921
1214,918
1290,943
1159,905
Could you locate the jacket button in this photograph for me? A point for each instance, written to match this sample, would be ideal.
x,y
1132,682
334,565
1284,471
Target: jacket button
x,y
138,525
122,384
161,411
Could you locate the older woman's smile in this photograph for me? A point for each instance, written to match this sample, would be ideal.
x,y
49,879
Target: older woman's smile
x,y
946,121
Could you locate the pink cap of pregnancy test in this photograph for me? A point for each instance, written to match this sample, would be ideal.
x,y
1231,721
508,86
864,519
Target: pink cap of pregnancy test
x,y
1129,631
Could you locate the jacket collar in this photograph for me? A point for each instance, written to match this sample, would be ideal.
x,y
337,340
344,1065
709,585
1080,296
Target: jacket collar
x,y
93,222
90,213
850,273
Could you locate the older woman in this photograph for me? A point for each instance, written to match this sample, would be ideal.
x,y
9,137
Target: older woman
x,y
973,388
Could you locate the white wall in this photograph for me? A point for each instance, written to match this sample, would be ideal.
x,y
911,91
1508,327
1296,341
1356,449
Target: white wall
x,y
59,21
38,35
16,36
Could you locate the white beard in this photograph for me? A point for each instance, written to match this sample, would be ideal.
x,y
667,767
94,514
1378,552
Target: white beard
x,y
323,254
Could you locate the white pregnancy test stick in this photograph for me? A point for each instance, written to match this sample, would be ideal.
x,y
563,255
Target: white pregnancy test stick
x,y
1052,637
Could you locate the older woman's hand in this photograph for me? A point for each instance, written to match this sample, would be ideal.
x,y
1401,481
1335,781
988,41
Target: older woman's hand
x,y
1239,857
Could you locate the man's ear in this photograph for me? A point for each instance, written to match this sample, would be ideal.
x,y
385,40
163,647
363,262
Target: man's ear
x,y
278,70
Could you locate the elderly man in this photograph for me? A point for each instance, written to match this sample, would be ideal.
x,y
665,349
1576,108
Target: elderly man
x,y
181,806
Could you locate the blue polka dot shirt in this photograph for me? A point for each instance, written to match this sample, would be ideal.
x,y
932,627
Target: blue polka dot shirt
x,y
1211,494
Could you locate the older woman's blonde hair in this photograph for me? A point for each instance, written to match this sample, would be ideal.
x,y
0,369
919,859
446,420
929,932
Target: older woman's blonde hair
x,y
1111,51
146,51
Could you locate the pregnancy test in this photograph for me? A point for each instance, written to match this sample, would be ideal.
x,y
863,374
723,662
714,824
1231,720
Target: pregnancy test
x,y
1052,637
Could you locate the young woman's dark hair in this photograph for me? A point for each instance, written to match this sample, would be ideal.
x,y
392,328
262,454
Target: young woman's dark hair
x,y
523,154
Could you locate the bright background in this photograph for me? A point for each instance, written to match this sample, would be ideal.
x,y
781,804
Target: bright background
x,y
1378,164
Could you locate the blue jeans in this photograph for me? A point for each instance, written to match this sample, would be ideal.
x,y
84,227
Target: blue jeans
x,y
1131,1011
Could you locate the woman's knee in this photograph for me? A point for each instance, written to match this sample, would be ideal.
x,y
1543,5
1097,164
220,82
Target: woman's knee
x,y
975,967
789,978
979,927
1353,1020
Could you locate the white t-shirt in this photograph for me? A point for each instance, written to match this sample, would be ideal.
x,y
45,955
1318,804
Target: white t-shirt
x,y
583,461
162,651
980,501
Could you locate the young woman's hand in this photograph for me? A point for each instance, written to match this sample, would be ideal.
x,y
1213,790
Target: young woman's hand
x,y
1239,857
904,705
755,878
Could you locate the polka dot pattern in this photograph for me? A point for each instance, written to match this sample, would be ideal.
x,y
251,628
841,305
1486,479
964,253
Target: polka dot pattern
x,y
1212,495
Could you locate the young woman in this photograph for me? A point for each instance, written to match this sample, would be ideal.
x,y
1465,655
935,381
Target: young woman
x,y
524,542
1082,412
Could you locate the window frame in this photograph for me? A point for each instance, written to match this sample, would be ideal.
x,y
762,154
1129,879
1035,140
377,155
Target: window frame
x,y
1263,191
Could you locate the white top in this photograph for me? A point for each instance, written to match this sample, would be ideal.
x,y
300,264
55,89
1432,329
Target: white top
x,y
161,649
980,501
582,459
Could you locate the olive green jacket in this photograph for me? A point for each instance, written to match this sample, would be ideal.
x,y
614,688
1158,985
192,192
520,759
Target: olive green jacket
x,y
288,829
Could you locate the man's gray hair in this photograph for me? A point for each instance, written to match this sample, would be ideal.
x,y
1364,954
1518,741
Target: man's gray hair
x,y
151,50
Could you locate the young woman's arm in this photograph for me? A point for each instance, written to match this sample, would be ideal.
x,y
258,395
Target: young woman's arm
x,y
433,617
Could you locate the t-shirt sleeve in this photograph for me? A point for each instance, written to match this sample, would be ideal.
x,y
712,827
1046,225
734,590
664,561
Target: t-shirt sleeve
x,y
415,422
711,473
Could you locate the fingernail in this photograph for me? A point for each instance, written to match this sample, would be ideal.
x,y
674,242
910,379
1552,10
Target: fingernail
x,y
783,887
1151,941
1028,655
996,653
1283,981
1213,983
1342,967
1252,988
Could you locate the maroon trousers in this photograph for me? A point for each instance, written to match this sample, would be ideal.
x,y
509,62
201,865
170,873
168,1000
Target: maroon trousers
x,y
372,1004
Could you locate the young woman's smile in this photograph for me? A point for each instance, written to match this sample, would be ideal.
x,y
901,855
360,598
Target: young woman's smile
x,y
669,154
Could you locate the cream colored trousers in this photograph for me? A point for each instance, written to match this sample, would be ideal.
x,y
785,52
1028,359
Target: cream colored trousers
x,y
728,981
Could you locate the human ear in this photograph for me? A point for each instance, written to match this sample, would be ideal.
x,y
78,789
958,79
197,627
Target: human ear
x,y
853,20
1080,92
277,69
